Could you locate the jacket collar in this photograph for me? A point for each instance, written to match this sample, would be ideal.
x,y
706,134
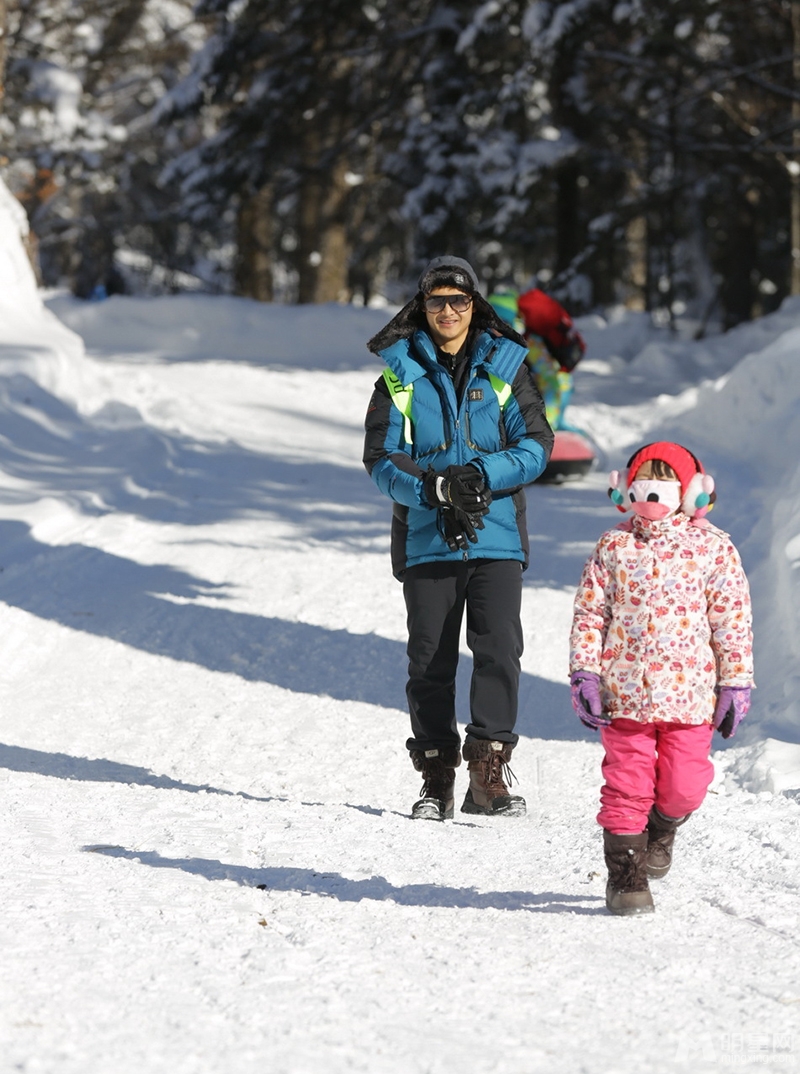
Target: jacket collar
x,y
662,527
410,359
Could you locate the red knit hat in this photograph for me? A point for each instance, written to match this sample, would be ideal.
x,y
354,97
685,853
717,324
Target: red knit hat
x,y
697,487
682,461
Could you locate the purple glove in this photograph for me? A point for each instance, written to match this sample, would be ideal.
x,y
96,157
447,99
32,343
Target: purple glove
x,y
585,697
733,705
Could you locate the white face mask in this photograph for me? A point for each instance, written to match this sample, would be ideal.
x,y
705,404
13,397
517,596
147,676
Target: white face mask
x,y
654,499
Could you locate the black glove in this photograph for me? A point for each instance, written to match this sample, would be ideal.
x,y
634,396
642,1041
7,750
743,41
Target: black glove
x,y
461,487
459,529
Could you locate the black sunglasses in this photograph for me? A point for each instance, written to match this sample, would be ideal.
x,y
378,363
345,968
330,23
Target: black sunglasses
x,y
457,303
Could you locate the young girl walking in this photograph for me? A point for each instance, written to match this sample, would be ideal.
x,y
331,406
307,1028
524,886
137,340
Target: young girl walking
x,y
660,656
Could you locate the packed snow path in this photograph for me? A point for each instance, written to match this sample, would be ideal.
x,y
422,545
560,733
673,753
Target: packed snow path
x,y
208,862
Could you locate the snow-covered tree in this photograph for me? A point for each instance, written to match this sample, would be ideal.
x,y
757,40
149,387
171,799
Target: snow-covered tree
x,y
357,139
645,151
478,139
82,78
687,109
292,95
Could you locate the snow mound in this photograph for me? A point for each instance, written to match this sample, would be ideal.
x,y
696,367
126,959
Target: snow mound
x,y
620,336
766,766
221,328
17,281
744,428
30,332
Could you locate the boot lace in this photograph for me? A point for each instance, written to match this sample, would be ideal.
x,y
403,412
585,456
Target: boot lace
x,y
499,776
436,778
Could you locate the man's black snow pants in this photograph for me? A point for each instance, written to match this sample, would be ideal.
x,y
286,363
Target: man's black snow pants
x,y
436,595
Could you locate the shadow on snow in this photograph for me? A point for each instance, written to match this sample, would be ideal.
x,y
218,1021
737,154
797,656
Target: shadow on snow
x,y
101,770
152,608
114,461
336,886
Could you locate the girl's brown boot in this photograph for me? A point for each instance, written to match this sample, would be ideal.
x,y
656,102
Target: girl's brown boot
x,y
660,837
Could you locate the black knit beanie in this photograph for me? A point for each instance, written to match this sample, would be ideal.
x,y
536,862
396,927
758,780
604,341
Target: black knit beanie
x,y
448,271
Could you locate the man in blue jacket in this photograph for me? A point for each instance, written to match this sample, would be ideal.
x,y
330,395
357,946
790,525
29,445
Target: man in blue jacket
x,y
454,429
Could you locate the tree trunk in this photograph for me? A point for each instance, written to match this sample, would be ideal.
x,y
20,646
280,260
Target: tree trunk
x,y
3,25
638,235
636,252
794,169
738,292
331,283
322,245
568,238
309,213
254,240
636,245
117,31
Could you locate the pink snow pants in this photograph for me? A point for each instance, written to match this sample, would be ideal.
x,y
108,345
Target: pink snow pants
x,y
647,764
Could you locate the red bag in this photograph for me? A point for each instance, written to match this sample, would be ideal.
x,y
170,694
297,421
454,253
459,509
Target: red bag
x,y
546,318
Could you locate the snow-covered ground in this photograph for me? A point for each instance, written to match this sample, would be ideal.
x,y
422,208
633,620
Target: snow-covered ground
x,y
208,865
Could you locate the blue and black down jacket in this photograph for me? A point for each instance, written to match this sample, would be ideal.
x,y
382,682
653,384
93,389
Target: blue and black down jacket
x,y
510,445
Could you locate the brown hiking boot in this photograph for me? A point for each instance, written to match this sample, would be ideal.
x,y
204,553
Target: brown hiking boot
x,y
488,772
661,836
627,891
438,768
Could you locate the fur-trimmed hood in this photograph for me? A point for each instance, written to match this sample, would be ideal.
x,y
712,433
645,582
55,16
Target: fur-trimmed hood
x,y
415,357
411,319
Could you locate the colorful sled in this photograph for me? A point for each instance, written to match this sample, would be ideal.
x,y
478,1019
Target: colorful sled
x,y
572,457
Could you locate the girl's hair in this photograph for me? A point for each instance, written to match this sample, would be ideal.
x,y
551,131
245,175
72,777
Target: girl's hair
x,y
661,471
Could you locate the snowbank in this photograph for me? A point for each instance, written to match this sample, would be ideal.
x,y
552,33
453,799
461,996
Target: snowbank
x,y
744,426
198,327
31,337
18,292
769,766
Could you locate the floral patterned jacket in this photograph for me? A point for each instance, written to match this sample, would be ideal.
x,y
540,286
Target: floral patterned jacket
x,y
663,615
